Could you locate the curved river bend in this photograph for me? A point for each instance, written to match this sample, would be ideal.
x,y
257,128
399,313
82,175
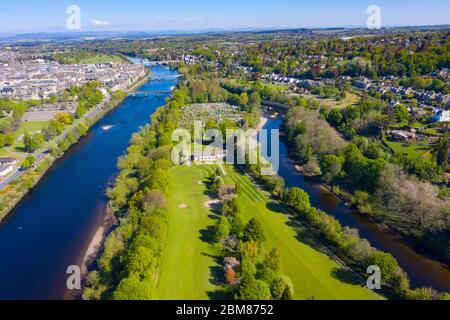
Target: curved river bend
x,y
422,271
52,227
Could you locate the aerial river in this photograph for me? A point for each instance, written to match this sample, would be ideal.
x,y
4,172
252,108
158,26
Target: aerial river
x,y
52,227
422,270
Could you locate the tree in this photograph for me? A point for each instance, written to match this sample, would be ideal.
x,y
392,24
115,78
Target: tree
x,y
253,290
282,288
231,276
243,99
254,102
297,198
401,113
387,264
153,226
154,200
442,152
81,111
221,229
253,231
32,143
331,166
64,117
28,162
140,263
134,289
272,259
6,140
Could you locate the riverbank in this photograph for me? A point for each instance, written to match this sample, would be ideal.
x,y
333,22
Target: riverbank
x,y
97,241
423,270
17,189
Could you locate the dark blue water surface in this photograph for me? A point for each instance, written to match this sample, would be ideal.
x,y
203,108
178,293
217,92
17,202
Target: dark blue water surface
x,y
52,227
421,269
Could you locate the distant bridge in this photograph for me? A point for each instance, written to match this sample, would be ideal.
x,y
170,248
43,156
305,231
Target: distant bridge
x,y
275,105
168,78
159,63
149,93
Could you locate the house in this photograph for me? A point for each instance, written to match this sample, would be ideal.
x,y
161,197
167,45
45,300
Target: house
x,y
5,170
8,161
401,135
210,156
442,116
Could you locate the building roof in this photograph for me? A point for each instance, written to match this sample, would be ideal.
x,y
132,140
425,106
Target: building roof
x,y
7,160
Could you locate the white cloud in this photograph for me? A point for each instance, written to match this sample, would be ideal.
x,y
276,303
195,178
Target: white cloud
x,y
192,19
100,23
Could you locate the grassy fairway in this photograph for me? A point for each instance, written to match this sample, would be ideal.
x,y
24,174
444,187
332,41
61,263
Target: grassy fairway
x,y
313,273
188,266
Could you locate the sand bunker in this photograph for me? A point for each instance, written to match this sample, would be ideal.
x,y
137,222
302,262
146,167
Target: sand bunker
x,y
211,204
183,206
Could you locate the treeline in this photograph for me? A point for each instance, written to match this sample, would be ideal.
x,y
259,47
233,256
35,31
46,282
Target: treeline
x,y
358,250
128,266
376,182
82,57
248,273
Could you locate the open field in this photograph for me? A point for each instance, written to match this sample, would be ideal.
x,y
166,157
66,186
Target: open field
x,y
188,267
351,100
30,127
89,59
187,264
411,150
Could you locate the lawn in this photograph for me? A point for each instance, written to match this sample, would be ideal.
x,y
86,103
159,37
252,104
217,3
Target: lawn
x,y
188,266
412,150
29,126
187,263
350,100
90,58
314,274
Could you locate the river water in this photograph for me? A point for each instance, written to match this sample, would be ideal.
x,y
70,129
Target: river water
x,y
422,270
52,227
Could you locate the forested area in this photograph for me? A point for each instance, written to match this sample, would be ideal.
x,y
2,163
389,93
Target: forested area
x,y
384,186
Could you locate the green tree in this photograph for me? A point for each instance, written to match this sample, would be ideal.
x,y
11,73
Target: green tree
x,y
32,143
387,264
252,289
140,262
297,198
134,289
28,162
221,229
331,166
282,288
253,231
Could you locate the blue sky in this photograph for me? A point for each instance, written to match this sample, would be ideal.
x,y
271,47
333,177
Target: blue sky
x,y
150,15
